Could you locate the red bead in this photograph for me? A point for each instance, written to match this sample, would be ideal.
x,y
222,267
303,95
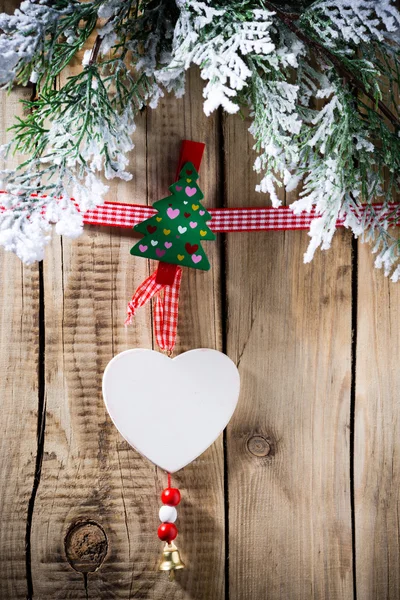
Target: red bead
x,y
171,496
167,532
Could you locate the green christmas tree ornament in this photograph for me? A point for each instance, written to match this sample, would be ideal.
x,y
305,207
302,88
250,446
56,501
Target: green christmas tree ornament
x,y
175,233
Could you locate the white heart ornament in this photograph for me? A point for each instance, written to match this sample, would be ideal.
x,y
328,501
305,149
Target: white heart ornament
x,y
171,410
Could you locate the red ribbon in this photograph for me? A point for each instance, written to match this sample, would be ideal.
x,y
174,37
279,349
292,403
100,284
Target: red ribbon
x,y
224,220
165,283
166,307
166,314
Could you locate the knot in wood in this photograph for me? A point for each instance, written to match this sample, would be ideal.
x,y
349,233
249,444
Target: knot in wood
x,y
86,546
258,446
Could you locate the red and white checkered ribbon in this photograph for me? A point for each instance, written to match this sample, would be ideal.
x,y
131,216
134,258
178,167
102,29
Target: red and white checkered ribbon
x,y
166,308
166,314
116,214
223,220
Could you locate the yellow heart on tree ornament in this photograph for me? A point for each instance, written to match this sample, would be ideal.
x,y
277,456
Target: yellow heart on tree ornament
x,y
167,231
180,256
158,219
195,206
203,233
189,180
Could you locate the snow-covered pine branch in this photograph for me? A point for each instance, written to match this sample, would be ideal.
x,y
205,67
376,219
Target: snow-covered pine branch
x,y
221,57
28,38
352,21
303,75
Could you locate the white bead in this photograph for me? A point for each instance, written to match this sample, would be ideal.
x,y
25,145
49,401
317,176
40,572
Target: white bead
x,y
168,514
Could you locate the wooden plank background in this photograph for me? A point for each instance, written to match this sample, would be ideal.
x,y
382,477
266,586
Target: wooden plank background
x,y
299,498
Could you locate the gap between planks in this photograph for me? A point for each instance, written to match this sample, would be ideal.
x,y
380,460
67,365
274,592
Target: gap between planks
x,y
353,393
41,429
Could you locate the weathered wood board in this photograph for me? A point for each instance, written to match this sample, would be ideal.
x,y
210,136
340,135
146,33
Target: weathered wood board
x,y
89,473
20,397
288,450
298,500
377,441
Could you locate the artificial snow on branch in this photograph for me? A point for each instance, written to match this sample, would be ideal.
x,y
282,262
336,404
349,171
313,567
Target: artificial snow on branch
x,y
319,80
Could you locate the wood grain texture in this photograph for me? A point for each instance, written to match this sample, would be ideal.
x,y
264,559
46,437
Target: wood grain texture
x,y
89,473
289,330
377,430
85,473
200,523
19,395
283,485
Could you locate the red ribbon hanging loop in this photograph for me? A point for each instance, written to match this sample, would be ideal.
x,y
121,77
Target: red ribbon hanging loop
x,y
166,307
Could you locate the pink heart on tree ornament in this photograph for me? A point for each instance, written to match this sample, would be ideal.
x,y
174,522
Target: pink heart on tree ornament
x,y
196,258
143,248
190,191
193,224
173,213
202,212
168,245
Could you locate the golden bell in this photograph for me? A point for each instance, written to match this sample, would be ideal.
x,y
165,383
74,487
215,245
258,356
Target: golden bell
x,y
171,560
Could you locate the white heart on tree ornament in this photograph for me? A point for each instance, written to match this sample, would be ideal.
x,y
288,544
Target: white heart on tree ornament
x,y
171,410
